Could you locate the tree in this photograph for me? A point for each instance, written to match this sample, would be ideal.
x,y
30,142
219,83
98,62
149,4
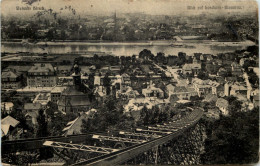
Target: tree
x,y
160,57
51,108
144,116
234,106
202,75
109,115
42,131
133,58
233,139
155,112
42,125
95,57
145,54
91,79
163,116
107,83
63,35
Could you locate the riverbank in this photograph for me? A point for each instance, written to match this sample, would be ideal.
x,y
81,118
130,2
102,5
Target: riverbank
x,y
125,48
133,43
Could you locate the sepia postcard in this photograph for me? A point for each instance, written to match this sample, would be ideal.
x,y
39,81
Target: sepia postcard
x,y
129,82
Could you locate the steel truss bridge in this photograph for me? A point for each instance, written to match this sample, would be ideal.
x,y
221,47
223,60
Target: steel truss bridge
x,y
117,147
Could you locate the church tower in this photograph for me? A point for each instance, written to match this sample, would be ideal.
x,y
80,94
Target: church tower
x,y
76,76
115,27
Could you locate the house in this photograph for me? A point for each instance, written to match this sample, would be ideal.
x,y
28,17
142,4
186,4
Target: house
x,y
231,79
98,81
11,79
126,79
238,89
31,111
10,128
114,69
217,89
222,72
193,68
73,100
134,106
222,104
234,89
137,104
41,75
202,87
130,93
152,91
56,93
100,93
236,69
116,84
183,93
7,107
210,98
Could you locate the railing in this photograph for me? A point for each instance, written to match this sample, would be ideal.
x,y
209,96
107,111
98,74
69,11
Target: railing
x,y
126,154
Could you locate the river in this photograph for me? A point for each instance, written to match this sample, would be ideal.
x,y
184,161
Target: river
x,y
125,48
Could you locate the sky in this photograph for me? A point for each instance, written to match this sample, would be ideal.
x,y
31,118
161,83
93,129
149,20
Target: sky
x,y
155,7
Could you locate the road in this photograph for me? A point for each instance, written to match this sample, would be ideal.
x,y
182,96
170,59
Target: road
x,y
172,72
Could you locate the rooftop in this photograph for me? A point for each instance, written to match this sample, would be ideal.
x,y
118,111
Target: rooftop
x,y
41,67
179,89
6,123
71,91
191,66
58,89
170,87
210,97
28,89
238,87
32,106
9,74
222,102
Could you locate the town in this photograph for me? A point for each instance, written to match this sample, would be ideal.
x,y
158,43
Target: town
x,y
66,97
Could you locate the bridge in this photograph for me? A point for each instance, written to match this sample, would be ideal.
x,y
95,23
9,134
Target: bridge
x,y
125,146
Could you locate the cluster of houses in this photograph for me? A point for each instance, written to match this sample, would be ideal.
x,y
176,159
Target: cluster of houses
x,y
72,93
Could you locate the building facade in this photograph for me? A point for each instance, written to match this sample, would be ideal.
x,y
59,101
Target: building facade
x,y
10,79
42,75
